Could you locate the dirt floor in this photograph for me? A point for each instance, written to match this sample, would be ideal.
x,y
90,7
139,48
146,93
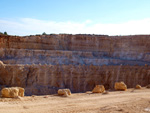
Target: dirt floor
x,y
130,101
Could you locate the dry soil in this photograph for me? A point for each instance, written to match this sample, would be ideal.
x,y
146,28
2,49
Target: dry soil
x,y
130,101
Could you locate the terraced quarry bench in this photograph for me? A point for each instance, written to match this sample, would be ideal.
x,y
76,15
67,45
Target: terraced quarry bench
x,y
42,64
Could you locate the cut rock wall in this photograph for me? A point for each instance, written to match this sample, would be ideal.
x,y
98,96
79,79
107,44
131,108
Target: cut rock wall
x,y
75,49
79,43
43,64
47,79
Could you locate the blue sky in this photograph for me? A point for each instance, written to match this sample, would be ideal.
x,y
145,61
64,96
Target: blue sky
x,y
112,17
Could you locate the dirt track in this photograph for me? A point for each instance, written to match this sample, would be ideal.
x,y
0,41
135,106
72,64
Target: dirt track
x,y
137,101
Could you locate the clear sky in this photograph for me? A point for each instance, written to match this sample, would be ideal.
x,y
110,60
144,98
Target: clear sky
x,y
112,17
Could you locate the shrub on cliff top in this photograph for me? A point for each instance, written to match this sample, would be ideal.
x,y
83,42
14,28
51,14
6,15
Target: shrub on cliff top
x,y
43,33
5,33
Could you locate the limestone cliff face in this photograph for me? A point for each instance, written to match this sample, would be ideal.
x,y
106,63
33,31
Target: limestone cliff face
x,y
78,42
43,64
47,79
75,49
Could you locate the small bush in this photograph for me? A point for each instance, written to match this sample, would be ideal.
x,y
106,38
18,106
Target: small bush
x,y
43,33
5,33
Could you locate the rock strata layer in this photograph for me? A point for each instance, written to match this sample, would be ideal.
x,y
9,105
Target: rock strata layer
x,y
45,63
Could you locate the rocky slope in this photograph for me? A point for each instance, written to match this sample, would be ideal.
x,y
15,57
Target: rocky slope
x,y
43,64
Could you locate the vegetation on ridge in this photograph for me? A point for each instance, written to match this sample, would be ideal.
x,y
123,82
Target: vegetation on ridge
x,y
5,33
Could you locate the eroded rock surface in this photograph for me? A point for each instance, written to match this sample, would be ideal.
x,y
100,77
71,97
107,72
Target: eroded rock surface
x,y
45,63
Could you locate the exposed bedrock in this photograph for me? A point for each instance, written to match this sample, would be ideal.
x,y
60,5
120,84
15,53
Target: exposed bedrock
x,y
54,57
43,64
75,49
97,43
47,79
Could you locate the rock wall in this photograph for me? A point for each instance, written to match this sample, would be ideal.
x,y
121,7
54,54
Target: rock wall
x,y
47,79
98,43
43,64
75,49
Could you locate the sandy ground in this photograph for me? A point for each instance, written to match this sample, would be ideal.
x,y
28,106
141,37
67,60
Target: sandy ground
x,y
130,101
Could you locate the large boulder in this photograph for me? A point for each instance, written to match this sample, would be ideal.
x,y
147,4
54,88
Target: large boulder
x,y
12,92
138,86
98,89
120,86
21,92
64,92
148,86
